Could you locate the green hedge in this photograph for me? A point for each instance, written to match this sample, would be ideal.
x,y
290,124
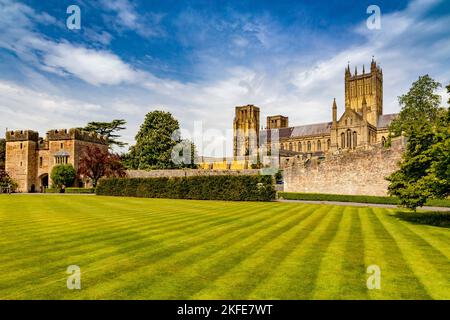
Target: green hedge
x,y
234,188
351,198
71,190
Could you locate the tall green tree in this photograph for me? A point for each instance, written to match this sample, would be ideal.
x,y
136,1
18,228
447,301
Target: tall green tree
x,y
2,153
424,171
154,142
108,130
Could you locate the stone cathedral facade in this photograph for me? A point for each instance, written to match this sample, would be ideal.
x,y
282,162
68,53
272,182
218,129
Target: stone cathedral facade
x,y
361,126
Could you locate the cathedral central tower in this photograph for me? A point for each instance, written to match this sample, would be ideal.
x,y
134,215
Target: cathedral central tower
x,y
368,87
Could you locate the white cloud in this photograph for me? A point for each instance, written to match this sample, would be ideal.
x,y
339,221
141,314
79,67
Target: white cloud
x,y
127,17
93,66
24,108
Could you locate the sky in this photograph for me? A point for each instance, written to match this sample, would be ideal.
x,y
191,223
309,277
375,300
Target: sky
x,y
200,59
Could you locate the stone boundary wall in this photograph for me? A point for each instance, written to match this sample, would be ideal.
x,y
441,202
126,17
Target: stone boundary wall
x,y
187,173
354,173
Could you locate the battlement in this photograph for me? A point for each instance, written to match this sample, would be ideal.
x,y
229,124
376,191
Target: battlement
x,y
75,134
22,135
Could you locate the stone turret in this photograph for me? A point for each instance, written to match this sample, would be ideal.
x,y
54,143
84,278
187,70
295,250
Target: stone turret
x,y
334,112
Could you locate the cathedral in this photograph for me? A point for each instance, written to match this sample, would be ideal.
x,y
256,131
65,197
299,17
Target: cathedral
x,y
361,126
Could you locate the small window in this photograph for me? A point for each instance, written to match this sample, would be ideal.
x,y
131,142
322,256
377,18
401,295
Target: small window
x,y
40,162
62,145
20,163
21,146
319,145
309,145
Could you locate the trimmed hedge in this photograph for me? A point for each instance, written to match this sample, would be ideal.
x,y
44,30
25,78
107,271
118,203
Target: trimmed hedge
x,y
354,198
226,187
72,190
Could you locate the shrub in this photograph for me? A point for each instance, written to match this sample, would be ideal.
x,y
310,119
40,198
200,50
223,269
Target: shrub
x,y
63,174
6,181
234,188
71,190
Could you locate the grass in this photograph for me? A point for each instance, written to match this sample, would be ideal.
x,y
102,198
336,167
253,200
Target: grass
x,y
133,248
355,198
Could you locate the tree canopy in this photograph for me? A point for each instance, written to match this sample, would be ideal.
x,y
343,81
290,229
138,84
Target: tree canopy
x,y
425,168
63,175
108,130
96,163
157,142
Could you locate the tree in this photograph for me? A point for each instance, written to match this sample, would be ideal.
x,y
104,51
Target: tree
x,y
420,107
2,153
6,181
154,142
108,130
425,168
184,154
96,163
63,175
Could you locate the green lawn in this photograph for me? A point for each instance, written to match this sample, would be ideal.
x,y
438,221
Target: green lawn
x,y
131,248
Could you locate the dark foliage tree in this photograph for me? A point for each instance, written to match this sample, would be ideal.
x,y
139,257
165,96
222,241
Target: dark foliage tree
x,y
108,130
96,163
425,168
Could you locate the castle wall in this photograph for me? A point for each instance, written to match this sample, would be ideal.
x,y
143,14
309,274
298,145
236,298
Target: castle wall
x,y
359,172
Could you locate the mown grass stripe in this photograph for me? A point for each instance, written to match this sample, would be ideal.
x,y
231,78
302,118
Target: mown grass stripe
x,y
295,277
397,279
428,234
353,277
328,284
176,262
247,265
159,248
427,263
111,249
104,263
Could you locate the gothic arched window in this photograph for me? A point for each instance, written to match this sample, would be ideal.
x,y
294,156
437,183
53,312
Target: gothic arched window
x,y
319,145
290,146
349,139
300,146
342,140
309,145
355,139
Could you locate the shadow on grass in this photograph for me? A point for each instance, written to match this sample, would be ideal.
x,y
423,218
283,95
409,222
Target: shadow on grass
x,y
438,219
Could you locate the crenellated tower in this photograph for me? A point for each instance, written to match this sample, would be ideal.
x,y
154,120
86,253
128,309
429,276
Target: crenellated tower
x,y
246,131
366,87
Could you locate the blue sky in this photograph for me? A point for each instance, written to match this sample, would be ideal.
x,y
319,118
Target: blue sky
x,y
199,59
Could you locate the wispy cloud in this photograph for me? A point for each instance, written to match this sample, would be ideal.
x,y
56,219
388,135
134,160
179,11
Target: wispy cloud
x,y
126,17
